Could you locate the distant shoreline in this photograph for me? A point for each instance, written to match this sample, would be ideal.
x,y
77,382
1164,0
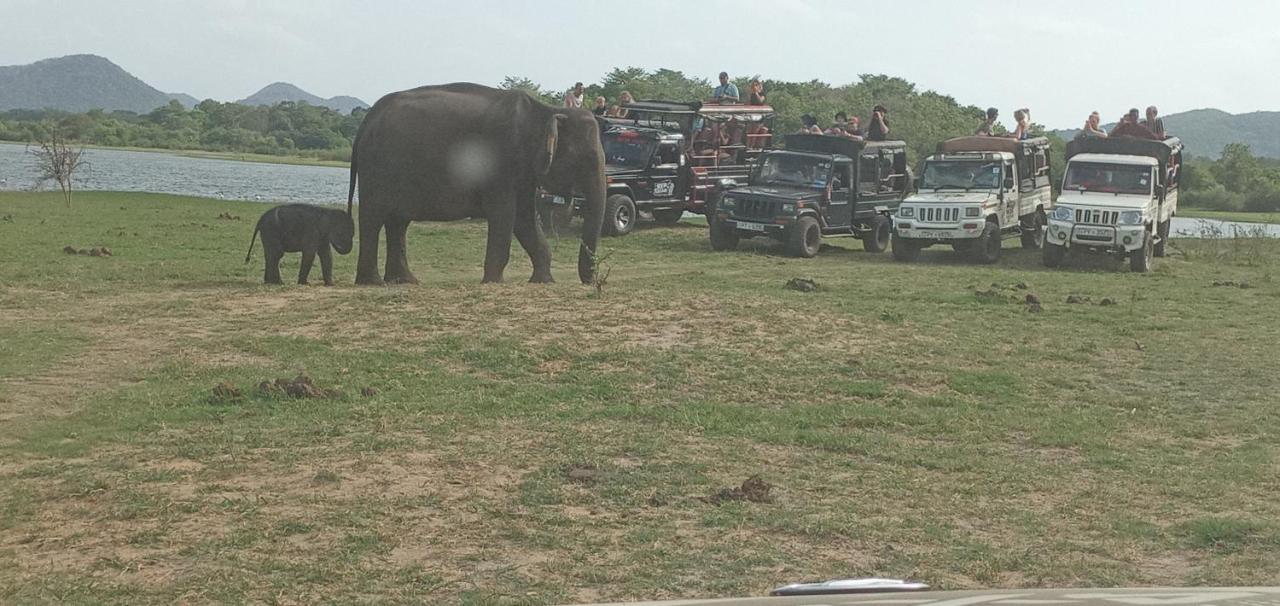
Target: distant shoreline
x,y
215,155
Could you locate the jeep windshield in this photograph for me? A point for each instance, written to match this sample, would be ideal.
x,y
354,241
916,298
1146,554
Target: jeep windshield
x,y
960,174
628,149
793,170
1108,178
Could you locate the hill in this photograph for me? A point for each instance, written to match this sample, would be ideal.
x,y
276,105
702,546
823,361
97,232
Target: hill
x,y
1206,131
186,100
283,91
76,83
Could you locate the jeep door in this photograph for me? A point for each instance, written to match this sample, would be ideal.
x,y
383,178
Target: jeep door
x,y
1009,204
665,171
838,210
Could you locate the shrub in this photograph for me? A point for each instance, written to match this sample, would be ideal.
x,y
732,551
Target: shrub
x,y
1215,198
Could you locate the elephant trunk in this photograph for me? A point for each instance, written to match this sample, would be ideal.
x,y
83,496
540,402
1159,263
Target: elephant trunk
x,y
592,220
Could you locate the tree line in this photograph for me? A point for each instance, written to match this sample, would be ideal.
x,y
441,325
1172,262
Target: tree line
x,y
283,129
1236,181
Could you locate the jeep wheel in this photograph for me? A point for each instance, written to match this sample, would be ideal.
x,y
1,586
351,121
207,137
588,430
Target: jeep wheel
x,y
668,216
876,239
805,238
1033,231
1053,254
1140,260
1163,232
905,249
986,248
723,237
619,215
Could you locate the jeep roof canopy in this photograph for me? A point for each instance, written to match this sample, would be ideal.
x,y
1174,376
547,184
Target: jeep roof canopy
x,y
826,144
741,113
1127,146
982,143
662,115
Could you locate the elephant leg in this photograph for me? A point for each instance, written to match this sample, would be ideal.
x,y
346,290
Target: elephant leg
x,y
397,270
271,275
308,257
497,251
528,231
326,264
367,263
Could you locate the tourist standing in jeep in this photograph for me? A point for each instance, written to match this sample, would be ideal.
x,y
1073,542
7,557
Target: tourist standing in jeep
x,y
973,194
819,186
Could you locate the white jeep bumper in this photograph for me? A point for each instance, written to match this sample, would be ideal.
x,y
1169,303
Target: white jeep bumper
x,y
967,230
1125,238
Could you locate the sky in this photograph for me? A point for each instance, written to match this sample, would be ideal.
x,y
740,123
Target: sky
x,y
1062,60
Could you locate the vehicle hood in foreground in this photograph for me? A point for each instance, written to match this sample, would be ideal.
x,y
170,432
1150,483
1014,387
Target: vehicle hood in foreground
x,y
950,197
773,192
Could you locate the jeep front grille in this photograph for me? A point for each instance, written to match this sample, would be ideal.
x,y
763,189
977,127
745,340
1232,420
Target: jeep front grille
x,y
1097,217
941,214
754,209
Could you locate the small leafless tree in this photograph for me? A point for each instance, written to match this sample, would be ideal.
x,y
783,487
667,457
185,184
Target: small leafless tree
x,y
57,161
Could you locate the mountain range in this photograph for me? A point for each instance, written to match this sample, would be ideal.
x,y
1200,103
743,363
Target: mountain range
x,y
79,83
1206,131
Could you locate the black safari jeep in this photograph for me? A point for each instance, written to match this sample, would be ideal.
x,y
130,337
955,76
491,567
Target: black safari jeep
x,y
665,158
818,186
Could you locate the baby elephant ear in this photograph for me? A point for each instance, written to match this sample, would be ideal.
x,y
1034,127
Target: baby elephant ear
x,y
552,138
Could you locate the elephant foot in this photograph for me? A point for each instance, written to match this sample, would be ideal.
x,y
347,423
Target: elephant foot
x,y
542,279
491,280
369,281
328,282
276,281
303,283
405,279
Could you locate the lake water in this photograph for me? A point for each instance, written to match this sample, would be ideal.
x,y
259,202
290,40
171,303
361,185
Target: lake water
x,y
116,170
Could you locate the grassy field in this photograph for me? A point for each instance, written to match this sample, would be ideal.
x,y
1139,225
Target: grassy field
x,y
535,444
239,156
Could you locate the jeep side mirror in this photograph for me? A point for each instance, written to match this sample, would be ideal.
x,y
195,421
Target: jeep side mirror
x,y
917,182
1008,184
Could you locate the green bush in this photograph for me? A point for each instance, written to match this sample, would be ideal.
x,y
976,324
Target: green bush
x,y
1215,198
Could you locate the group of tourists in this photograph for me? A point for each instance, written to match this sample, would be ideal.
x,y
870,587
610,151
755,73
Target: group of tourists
x,y
850,128
573,98
1128,126
1021,130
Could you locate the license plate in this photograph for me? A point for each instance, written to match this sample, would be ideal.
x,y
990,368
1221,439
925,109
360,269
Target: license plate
x,y
751,226
937,235
1095,232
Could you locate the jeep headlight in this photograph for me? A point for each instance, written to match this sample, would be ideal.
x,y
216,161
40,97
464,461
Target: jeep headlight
x,y
728,202
972,211
1062,213
1131,217
906,212
788,207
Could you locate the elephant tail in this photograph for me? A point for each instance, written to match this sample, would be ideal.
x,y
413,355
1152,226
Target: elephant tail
x,y
251,240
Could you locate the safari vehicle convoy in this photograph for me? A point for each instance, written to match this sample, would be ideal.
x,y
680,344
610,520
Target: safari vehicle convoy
x,y
665,158
1118,196
818,186
973,194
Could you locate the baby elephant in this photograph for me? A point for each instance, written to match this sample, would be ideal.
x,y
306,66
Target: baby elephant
x,y
302,228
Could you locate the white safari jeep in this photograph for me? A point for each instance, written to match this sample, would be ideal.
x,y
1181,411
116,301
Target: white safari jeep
x,y
1118,196
975,192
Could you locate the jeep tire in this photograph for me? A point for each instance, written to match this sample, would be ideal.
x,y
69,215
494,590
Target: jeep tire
x,y
805,238
986,248
876,238
1054,254
1033,231
619,215
905,249
723,237
1140,260
1162,232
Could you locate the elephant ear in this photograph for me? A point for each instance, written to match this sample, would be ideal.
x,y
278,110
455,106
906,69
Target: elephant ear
x,y
552,136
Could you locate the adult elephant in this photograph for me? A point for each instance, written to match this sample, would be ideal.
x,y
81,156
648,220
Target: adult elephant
x,y
449,152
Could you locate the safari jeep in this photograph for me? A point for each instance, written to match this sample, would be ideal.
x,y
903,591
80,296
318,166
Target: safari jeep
x,y
819,186
974,193
665,158
1118,196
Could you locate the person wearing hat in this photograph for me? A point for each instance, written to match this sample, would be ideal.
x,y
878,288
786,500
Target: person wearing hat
x,y
988,126
878,130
